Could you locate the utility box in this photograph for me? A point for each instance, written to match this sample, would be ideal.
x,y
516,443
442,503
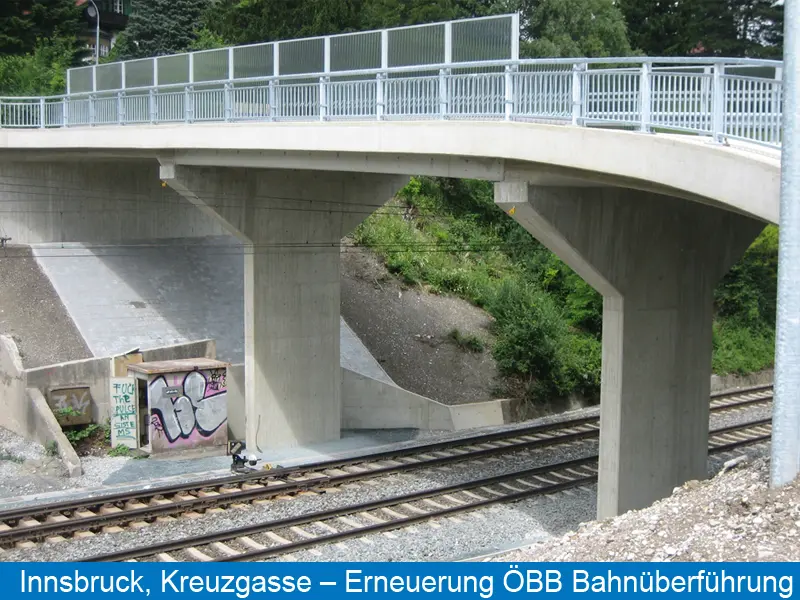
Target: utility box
x,y
172,405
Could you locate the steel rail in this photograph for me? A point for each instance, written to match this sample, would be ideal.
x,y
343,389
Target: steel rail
x,y
274,488
232,534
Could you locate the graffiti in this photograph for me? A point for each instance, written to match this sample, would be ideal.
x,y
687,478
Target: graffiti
x,y
72,406
199,410
123,412
217,380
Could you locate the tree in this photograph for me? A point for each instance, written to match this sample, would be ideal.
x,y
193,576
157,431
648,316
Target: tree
x,y
567,28
41,72
14,28
737,28
250,21
159,27
24,22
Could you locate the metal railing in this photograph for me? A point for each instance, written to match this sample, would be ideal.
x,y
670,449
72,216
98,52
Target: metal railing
x,y
720,98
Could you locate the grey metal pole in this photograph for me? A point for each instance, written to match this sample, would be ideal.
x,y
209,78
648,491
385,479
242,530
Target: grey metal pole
x,y
97,33
785,463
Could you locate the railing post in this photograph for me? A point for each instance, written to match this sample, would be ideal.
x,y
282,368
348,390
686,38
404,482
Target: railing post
x,y
718,106
380,97
228,102
510,92
273,112
577,92
444,97
92,109
323,99
188,108
121,108
153,105
2,112
42,110
645,97
65,112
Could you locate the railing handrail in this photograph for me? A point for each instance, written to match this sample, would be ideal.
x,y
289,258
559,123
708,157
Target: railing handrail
x,y
689,62
638,93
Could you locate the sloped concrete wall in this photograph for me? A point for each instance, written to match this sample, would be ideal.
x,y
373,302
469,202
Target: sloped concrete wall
x,y
14,414
25,411
371,404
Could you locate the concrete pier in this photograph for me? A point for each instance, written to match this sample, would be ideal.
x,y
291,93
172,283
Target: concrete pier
x,y
292,223
656,260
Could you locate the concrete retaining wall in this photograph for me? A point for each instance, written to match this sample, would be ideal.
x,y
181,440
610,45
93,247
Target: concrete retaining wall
x,y
95,201
25,411
721,383
371,404
13,410
96,372
47,431
236,410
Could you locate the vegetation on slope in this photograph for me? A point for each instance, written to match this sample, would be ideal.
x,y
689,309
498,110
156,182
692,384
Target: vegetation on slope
x,y
448,236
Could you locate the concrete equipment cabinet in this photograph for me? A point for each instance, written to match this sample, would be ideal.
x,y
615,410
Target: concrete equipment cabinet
x,y
175,405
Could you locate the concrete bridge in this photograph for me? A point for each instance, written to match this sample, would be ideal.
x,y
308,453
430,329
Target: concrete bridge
x,y
649,177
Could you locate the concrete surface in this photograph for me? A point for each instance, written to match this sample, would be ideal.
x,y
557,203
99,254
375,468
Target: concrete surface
x,y
47,431
746,177
25,411
656,260
292,223
14,414
166,292
101,202
97,372
33,314
371,404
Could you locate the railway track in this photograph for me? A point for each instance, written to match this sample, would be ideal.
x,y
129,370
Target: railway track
x,y
286,536
28,526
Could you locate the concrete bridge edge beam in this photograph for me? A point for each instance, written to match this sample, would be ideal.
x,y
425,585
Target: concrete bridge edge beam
x,y
291,223
656,260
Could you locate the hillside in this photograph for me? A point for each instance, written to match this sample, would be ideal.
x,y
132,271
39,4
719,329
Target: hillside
x,y
447,237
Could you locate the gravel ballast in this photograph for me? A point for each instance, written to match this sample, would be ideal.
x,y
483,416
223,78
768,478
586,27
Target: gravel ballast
x,y
732,517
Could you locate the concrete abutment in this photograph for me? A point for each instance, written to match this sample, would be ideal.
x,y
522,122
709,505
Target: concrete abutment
x,y
291,223
656,260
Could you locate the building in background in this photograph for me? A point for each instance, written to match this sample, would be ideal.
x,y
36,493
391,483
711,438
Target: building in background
x,y
113,19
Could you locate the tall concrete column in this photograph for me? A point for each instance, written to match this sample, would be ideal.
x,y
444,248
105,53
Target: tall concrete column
x,y
656,260
291,223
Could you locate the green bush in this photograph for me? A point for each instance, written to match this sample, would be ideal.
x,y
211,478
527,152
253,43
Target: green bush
x,y
741,349
449,236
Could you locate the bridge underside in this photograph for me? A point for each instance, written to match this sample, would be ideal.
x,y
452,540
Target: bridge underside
x,y
656,260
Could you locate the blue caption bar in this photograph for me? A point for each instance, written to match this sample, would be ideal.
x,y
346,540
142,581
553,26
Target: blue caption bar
x,y
396,580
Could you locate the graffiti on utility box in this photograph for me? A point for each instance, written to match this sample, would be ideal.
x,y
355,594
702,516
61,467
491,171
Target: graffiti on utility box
x,y
188,409
123,412
71,405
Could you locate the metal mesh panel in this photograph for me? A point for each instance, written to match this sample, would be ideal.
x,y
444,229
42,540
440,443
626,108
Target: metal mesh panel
x,y
80,80
484,39
173,69
211,65
109,77
302,56
416,46
354,51
253,61
139,73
